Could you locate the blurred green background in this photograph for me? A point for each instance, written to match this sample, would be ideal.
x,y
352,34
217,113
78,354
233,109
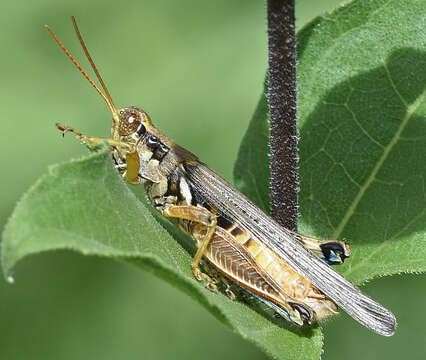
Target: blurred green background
x,y
197,67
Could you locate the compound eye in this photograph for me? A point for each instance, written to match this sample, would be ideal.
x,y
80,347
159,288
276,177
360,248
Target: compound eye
x,y
129,122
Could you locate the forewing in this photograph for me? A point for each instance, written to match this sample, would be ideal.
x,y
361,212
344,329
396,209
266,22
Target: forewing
x,y
223,196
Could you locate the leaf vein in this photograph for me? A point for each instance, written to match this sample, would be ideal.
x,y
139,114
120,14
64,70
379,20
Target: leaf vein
x,y
393,84
354,118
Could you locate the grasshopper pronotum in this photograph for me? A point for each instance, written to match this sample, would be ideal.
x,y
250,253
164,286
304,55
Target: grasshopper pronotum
x,y
237,238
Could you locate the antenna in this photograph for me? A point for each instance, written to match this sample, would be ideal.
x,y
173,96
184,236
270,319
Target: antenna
x,y
107,99
83,45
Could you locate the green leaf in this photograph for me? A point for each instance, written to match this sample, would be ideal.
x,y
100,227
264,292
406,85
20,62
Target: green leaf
x,y
362,127
363,131
84,205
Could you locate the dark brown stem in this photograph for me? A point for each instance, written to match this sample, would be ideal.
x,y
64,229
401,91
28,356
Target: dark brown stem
x,y
282,106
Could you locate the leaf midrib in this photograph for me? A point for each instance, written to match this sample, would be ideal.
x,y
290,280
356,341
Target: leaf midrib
x,y
387,149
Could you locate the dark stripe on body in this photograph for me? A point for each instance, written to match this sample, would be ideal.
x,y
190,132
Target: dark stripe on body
x,y
237,231
173,184
197,198
224,222
173,187
159,150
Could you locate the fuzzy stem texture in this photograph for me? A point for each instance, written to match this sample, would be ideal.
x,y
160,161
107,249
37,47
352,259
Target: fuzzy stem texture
x,y
282,96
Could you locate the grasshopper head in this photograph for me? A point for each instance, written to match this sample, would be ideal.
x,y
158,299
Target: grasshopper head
x,y
130,129
133,123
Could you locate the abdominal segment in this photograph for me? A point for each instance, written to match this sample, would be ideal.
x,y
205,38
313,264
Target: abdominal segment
x,y
244,259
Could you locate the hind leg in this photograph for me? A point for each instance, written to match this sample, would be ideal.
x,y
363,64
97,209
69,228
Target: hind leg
x,y
204,217
333,252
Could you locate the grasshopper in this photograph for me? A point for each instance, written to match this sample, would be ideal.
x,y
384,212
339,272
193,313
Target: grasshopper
x,y
243,244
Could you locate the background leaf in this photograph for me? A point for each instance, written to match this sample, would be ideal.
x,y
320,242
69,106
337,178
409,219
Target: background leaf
x,y
362,108
362,148
363,142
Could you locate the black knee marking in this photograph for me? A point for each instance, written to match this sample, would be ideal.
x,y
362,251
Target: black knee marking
x,y
305,314
334,252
